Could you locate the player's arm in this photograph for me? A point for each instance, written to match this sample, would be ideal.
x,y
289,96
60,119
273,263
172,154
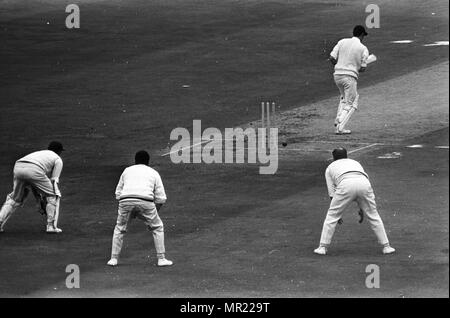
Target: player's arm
x,y
330,184
334,55
119,187
56,173
159,193
57,169
364,57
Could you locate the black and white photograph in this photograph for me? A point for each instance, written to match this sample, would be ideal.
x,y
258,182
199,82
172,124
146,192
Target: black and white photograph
x,y
224,154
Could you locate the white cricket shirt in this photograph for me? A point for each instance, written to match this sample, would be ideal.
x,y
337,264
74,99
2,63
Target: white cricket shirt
x,y
141,182
351,55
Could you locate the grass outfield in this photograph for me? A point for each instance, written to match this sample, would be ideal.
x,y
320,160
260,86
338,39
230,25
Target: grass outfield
x,y
136,56
115,86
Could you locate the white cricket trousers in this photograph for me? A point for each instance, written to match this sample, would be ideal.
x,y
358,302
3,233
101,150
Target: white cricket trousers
x,y
353,187
348,102
144,210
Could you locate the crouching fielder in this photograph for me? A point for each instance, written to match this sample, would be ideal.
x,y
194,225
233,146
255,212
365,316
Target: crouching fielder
x,y
38,172
141,194
347,182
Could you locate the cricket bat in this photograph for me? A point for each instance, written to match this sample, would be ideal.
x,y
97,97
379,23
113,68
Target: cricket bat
x,y
372,58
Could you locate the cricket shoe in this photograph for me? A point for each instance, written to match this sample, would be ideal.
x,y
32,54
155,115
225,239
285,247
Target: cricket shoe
x,y
343,132
51,229
321,250
112,262
388,250
164,262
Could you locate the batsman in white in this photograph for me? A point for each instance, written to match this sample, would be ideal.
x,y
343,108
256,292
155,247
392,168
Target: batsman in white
x,y
38,172
141,194
347,182
349,57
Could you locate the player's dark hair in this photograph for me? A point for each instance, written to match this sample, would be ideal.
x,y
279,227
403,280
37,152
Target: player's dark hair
x,y
56,147
359,30
142,157
339,153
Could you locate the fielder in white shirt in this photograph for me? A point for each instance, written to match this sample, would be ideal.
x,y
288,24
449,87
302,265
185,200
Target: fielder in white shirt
x,y
39,173
349,57
141,194
348,182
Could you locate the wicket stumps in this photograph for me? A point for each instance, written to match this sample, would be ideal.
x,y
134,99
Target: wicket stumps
x,y
267,115
267,112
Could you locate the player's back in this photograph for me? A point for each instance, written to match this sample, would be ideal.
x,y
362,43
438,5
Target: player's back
x,y
139,177
350,54
339,167
141,181
44,158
